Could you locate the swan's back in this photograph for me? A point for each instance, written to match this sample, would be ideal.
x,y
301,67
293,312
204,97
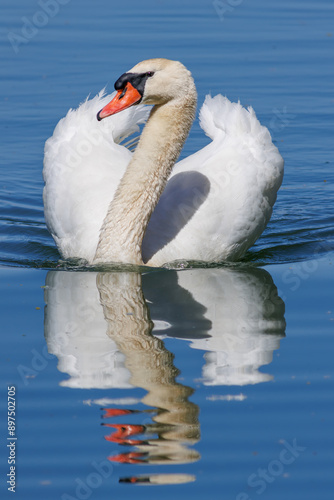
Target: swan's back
x,y
219,200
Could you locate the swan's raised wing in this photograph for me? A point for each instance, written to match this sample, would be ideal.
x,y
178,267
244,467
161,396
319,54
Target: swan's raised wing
x,y
218,200
83,164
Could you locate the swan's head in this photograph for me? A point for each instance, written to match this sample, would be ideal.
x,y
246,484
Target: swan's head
x,y
155,81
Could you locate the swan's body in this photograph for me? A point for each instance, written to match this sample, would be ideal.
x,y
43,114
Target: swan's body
x,y
104,204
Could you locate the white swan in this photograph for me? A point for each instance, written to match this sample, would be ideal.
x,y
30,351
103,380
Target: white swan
x,y
104,204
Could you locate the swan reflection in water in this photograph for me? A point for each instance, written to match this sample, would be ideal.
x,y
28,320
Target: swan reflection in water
x,y
107,331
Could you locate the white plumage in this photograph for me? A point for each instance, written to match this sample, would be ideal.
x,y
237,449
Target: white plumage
x,y
216,202
83,165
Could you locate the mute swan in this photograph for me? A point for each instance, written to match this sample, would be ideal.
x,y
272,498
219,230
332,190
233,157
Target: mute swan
x,y
104,204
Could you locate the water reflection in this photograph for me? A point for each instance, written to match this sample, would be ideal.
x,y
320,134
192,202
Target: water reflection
x,y
239,322
151,367
100,326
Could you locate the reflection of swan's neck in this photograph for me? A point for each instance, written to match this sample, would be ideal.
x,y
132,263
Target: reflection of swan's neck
x,y
124,307
150,363
138,193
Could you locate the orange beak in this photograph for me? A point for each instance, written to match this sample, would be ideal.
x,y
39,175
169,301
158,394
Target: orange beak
x,y
122,100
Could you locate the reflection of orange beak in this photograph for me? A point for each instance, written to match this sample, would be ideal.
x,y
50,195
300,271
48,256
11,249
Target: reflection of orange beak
x,y
123,431
122,100
128,458
115,412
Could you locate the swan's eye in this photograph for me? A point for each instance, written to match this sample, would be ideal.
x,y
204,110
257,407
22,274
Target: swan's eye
x,y
150,73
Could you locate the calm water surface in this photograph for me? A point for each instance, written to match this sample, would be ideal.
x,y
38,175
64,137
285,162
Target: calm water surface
x,y
197,381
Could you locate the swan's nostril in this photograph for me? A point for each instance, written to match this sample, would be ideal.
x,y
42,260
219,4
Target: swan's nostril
x,y
122,94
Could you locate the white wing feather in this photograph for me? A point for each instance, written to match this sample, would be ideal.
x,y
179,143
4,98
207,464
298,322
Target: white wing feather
x,y
218,200
83,165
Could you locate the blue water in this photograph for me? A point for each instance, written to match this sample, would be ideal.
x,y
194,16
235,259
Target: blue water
x,y
217,382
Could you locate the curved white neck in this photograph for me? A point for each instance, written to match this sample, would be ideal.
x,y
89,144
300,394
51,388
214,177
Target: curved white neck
x,y
145,178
